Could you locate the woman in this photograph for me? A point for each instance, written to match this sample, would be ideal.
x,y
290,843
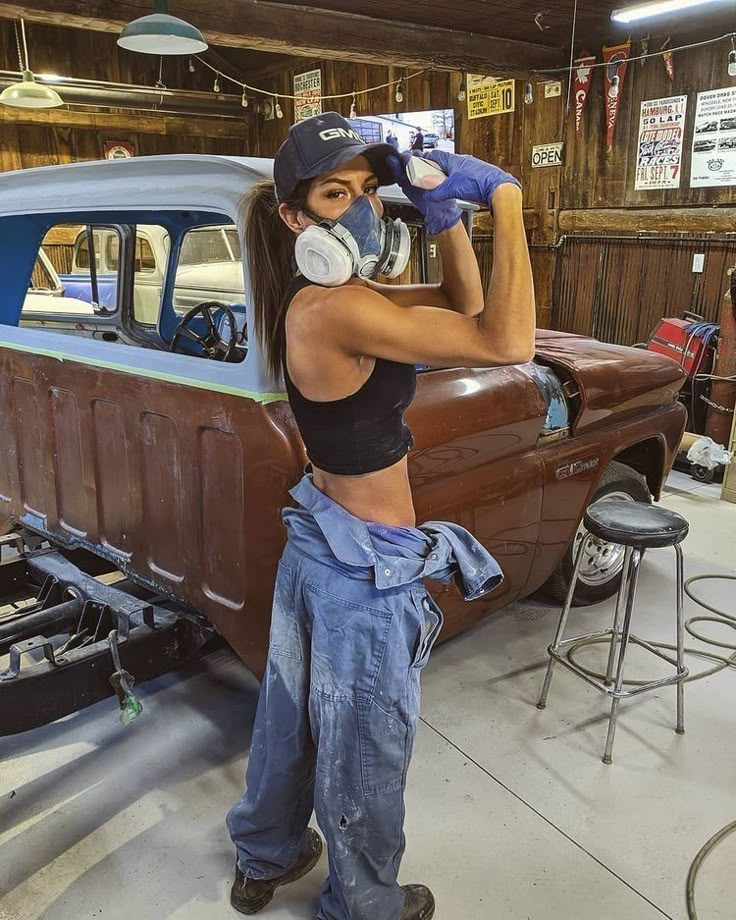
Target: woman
x,y
352,624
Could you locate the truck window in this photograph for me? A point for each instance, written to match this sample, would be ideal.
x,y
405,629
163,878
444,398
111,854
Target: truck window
x,y
59,289
82,256
152,247
210,267
43,280
145,260
206,266
210,244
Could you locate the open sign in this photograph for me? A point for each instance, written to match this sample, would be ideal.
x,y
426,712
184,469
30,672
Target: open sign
x,y
547,155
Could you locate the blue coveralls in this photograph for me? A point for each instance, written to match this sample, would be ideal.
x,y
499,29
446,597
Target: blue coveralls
x,y
352,627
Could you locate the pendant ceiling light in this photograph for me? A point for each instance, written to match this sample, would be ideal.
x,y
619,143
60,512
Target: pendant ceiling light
x,y
161,33
28,94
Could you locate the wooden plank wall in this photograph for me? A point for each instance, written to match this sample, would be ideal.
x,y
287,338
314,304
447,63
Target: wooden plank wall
x,y
592,181
95,55
592,177
595,178
634,285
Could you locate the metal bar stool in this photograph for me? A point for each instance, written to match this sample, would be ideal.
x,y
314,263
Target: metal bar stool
x,y
636,526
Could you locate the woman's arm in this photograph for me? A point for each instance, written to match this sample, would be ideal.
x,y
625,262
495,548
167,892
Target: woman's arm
x,y
359,321
461,288
509,318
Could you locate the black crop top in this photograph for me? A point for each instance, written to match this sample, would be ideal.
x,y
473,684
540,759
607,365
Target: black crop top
x,y
363,432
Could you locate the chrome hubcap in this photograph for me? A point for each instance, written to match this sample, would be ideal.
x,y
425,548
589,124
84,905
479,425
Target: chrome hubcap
x,y
602,561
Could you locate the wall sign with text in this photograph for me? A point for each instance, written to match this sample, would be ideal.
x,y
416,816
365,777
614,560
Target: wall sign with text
x,y
547,155
714,139
489,96
661,136
308,90
118,150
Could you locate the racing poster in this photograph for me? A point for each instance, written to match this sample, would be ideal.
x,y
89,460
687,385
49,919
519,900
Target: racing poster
x,y
714,139
489,96
661,137
308,90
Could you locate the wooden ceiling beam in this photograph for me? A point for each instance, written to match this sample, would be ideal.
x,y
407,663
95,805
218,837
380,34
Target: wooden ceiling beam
x,y
180,125
307,32
257,68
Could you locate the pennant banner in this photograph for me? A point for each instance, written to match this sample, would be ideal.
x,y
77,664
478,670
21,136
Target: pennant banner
x,y
669,59
617,58
583,74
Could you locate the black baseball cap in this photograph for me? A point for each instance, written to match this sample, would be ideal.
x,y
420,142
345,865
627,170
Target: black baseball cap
x,y
323,143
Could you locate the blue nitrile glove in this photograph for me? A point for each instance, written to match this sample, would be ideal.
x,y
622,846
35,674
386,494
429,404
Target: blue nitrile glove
x,y
438,215
467,177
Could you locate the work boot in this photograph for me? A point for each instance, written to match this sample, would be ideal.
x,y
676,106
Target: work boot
x,y
249,895
419,903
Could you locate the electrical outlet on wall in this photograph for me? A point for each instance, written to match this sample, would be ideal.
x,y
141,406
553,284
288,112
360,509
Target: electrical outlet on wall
x,y
552,89
698,263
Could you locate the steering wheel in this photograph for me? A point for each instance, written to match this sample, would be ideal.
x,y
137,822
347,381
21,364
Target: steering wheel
x,y
214,345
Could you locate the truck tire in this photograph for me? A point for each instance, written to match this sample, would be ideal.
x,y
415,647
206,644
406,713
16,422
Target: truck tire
x,y
600,575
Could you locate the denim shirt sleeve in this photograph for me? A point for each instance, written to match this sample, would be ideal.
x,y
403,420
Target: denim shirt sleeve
x,y
459,553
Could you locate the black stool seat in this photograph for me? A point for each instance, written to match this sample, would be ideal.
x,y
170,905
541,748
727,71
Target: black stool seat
x,y
635,524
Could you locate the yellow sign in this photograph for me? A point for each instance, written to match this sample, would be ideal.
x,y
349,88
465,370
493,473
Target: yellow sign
x,y
489,96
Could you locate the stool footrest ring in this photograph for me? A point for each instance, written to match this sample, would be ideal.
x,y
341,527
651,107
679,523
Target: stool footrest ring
x,y
561,658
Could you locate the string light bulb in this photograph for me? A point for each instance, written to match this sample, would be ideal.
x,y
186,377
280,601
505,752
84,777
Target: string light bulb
x,y
400,91
461,92
216,87
277,108
613,91
529,94
191,66
732,59
353,108
244,100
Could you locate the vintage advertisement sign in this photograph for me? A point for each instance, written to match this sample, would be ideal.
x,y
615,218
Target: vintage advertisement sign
x,y
489,96
307,89
661,137
547,155
583,74
714,139
617,59
118,150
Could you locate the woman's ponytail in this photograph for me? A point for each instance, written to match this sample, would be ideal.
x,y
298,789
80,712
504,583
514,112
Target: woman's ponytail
x,y
270,252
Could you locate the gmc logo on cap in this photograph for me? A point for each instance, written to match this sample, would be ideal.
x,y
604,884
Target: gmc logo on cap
x,y
332,134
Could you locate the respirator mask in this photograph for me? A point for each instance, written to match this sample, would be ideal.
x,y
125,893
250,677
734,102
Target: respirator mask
x,y
360,244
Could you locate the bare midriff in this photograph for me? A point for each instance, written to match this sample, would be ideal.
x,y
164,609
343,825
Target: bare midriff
x,y
383,496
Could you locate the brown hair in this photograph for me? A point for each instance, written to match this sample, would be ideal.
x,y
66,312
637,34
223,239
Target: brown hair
x,y
270,251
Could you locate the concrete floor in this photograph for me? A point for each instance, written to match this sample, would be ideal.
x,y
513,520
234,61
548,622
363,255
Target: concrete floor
x,y
510,812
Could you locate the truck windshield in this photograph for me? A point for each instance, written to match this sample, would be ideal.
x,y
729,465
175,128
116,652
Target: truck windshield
x,y
210,244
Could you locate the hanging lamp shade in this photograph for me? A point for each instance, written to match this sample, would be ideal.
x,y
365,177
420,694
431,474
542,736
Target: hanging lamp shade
x,y
30,95
161,33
